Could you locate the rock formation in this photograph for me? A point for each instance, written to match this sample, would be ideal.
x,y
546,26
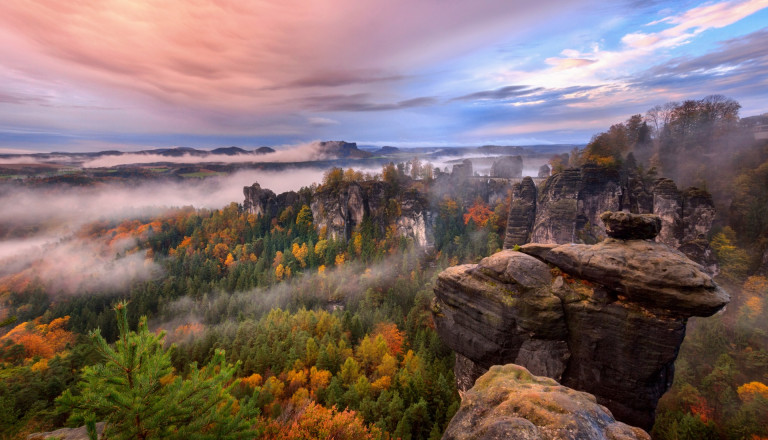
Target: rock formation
x,y
569,203
522,213
462,170
508,402
508,167
544,171
607,319
80,433
341,150
262,201
340,209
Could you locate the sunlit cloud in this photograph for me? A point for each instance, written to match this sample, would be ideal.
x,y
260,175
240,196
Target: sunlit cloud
x,y
287,71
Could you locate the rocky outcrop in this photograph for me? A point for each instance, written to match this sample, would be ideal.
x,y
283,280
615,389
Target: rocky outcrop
x,y
80,433
569,203
260,201
544,171
462,170
341,209
607,319
508,402
522,213
508,167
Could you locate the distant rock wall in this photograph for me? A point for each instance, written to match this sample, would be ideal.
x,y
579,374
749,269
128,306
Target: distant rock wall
x,y
607,319
341,209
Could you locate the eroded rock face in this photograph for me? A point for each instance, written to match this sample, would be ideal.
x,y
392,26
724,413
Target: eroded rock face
x,y
568,206
508,167
607,319
508,402
260,201
522,213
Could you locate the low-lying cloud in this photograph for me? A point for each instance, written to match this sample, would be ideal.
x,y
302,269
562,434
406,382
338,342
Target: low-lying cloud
x,y
295,153
38,225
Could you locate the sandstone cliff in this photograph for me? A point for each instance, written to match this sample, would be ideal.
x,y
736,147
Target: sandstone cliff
x,y
568,205
508,402
607,319
340,209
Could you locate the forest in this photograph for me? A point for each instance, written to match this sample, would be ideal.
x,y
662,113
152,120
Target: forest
x,y
270,327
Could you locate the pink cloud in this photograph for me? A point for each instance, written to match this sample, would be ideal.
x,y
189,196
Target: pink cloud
x,y
178,65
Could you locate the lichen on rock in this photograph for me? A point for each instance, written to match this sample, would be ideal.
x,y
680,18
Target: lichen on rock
x,y
510,402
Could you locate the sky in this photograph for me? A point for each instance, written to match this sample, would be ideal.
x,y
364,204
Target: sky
x,y
93,75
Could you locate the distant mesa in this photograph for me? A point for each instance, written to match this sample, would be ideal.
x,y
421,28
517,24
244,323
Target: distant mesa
x,y
263,150
229,151
386,151
342,150
175,152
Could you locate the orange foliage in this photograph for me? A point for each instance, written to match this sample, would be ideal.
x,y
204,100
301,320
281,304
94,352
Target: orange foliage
x,y
186,330
392,336
252,381
316,422
43,340
479,213
756,285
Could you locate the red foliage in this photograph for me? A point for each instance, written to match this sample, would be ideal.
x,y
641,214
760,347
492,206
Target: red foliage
x,y
479,213
392,336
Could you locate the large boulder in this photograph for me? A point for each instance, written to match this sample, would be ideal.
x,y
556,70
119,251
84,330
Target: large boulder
x,y
607,319
508,402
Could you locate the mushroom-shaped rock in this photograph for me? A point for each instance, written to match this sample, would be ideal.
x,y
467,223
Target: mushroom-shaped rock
x,y
607,319
509,402
645,272
626,226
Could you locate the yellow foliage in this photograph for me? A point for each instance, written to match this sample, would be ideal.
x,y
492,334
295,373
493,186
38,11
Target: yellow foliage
x,y
749,391
40,365
319,379
340,259
300,253
321,269
279,272
382,383
321,247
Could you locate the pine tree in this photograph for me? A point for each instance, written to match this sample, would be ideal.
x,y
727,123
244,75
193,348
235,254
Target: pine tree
x,y
138,395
